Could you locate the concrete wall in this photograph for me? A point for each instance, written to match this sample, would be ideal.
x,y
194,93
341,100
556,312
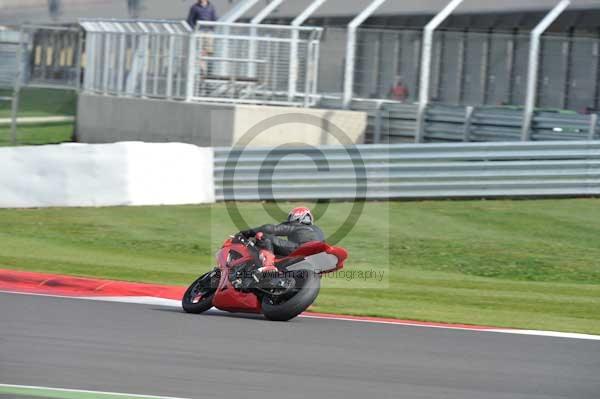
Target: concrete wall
x,y
107,119
105,175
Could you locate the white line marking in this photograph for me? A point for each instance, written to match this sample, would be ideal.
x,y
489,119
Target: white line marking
x,y
177,304
140,300
554,334
129,395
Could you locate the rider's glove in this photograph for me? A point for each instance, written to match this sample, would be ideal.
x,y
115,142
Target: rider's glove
x,y
248,233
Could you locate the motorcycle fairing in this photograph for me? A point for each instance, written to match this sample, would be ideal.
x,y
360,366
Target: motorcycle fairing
x,y
227,297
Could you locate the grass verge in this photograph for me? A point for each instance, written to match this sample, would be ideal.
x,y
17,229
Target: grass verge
x,y
41,102
525,264
38,134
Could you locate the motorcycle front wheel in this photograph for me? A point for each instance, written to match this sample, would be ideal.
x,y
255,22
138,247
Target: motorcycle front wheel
x,y
199,296
308,284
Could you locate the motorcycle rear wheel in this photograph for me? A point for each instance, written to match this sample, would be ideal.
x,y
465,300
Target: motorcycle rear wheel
x,y
284,309
203,285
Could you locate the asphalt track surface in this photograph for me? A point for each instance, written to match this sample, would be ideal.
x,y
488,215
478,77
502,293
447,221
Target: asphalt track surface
x,y
146,349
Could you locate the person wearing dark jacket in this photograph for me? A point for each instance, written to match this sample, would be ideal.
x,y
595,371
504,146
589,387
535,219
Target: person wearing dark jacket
x,y
203,10
299,229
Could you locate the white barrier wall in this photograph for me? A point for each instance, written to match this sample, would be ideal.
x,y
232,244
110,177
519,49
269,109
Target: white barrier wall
x,y
106,175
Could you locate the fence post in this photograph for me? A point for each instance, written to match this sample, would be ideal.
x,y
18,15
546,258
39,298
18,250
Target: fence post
x,y
293,78
170,67
468,122
351,49
121,64
593,126
426,65
78,60
534,60
17,90
349,69
378,122
296,23
89,79
106,69
191,73
315,73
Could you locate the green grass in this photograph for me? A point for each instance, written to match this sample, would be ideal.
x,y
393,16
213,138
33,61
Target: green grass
x,y
38,134
41,102
526,264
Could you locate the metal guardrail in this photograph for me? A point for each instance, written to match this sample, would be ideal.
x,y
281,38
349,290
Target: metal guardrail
x,y
409,171
394,122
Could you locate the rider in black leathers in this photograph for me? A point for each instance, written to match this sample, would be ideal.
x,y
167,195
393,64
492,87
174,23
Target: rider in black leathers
x,y
299,229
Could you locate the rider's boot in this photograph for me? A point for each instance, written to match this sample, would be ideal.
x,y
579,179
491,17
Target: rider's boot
x,y
268,262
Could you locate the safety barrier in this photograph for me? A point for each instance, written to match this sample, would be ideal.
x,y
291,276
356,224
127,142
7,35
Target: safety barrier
x,y
105,175
394,122
533,169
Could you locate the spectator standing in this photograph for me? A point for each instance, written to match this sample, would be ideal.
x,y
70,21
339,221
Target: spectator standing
x,y
203,10
399,91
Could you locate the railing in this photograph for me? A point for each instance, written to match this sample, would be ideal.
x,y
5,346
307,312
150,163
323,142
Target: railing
x,y
220,62
254,63
137,58
409,171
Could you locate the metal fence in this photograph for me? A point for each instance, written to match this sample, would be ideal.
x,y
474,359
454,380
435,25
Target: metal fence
x,y
32,60
50,56
137,58
224,62
53,56
409,171
9,45
254,63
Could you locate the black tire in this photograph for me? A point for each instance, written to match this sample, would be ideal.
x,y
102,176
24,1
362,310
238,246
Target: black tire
x,y
309,283
205,303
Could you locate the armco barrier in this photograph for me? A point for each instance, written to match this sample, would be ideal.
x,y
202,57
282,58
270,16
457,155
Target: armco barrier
x,y
533,169
393,122
105,175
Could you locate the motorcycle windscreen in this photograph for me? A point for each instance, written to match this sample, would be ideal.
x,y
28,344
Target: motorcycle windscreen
x,y
319,263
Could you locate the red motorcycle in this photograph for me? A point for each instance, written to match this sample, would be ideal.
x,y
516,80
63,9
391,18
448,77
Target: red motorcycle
x,y
235,286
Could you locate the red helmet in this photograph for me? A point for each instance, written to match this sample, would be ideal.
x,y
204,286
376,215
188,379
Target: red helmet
x,y
301,215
